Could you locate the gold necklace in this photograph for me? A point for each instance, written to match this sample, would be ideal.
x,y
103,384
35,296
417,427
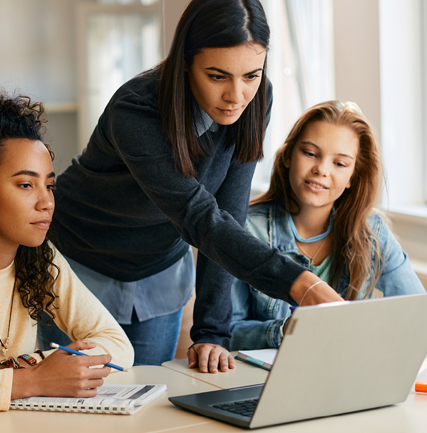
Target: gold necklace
x,y
5,344
311,259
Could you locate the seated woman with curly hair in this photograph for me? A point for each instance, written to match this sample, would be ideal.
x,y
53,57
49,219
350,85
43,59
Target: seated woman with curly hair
x,y
34,277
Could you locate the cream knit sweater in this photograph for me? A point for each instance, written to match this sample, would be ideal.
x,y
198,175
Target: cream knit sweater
x,y
80,315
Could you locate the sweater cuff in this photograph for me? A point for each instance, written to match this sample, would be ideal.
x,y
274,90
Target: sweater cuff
x,y
210,339
46,353
6,380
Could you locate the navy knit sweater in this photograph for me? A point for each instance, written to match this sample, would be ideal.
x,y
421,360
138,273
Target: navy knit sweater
x,y
124,210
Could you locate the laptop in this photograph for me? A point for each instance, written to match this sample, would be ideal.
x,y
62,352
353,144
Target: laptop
x,y
334,359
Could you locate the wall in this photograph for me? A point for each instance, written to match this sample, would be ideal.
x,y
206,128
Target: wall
x,y
390,95
38,52
357,61
173,10
38,55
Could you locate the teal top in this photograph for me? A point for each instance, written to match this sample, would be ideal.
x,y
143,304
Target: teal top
x,y
324,270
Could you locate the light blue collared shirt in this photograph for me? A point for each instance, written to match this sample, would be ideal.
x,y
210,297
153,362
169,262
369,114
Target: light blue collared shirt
x,y
203,122
150,297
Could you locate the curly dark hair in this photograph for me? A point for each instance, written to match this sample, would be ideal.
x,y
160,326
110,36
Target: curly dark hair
x,y
35,272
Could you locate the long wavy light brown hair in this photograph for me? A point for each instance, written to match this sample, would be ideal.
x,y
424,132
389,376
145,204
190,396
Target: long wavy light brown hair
x,y
35,272
354,241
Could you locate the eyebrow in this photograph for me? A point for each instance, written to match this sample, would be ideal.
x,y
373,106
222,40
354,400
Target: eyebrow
x,y
339,154
228,73
32,173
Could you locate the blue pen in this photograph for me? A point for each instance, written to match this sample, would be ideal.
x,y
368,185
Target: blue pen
x,y
76,352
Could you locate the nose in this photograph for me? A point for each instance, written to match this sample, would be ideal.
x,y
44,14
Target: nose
x,y
321,168
234,92
45,200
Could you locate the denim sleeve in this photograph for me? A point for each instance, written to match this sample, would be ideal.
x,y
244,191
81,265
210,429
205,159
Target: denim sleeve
x,y
249,327
397,277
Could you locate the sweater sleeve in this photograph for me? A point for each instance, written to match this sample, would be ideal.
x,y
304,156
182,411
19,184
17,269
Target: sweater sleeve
x,y
213,309
82,317
6,378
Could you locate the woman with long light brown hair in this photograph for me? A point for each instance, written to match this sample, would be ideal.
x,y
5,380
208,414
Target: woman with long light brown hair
x,y
319,211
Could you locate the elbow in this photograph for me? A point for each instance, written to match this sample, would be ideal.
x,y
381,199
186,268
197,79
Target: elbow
x,y
128,356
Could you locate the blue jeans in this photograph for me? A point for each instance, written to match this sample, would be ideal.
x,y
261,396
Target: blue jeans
x,y
153,340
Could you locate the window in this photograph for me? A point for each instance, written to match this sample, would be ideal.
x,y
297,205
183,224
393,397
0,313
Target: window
x,y
300,67
117,42
403,95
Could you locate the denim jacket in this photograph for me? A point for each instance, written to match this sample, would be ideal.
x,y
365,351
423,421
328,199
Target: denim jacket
x,y
257,318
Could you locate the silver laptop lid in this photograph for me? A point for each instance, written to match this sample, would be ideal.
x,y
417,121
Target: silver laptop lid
x,y
343,357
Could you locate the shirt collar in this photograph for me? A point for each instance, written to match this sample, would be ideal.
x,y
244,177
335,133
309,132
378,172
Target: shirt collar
x,y
203,122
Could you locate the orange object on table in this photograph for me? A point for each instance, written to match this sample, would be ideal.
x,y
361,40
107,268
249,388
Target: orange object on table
x,y
420,387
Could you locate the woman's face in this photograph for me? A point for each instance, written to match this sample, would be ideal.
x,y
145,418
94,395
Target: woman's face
x,y
225,80
322,164
26,194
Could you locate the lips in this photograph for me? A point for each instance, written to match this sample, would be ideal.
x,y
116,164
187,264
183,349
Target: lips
x,y
42,224
229,111
316,185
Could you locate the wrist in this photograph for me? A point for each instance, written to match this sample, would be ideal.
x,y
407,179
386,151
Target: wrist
x,y
23,384
28,359
301,284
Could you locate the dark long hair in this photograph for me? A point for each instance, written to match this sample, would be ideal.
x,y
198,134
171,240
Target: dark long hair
x,y
212,24
35,272
352,235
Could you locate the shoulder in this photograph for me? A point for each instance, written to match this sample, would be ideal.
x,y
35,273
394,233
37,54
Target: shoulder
x,y
258,221
65,276
142,90
387,242
259,209
132,122
59,260
379,224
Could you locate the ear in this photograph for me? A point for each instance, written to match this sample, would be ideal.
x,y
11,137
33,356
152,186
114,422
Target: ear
x,y
287,163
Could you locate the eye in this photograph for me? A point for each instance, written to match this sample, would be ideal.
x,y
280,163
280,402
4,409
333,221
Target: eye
x,y
25,185
51,187
308,153
216,77
252,77
341,164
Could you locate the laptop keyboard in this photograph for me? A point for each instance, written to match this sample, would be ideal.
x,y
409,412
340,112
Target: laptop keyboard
x,y
242,407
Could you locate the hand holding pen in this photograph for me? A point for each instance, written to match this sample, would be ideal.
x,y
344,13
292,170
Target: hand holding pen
x,y
63,375
75,352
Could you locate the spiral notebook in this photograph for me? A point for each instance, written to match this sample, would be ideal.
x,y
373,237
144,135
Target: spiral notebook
x,y
111,399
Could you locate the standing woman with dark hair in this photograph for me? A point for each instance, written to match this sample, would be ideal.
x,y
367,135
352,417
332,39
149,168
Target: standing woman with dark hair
x,y
170,165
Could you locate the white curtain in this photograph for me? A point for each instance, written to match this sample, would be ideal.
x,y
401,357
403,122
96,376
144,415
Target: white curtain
x,y
300,66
